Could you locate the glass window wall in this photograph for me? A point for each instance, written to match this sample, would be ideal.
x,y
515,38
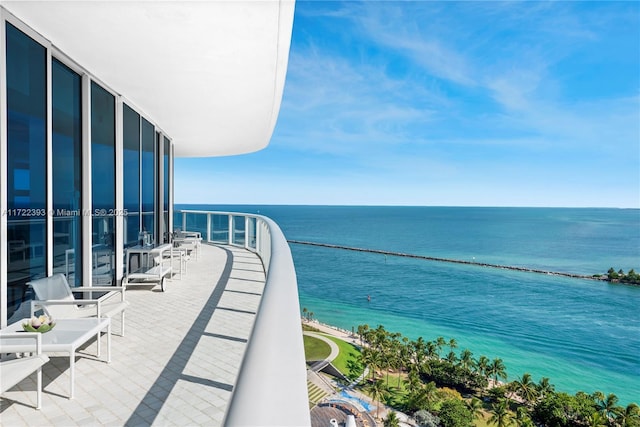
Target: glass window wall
x,y
67,172
103,167
131,159
26,64
148,178
165,186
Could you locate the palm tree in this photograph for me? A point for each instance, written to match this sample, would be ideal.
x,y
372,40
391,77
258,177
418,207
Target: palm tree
x,y
424,396
453,344
304,312
379,336
392,420
452,357
432,349
404,357
607,406
522,417
526,388
475,406
597,420
362,330
440,342
375,361
500,415
481,365
372,357
544,387
421,350
629,416
378,391
466,359
412,382
394,354
497,369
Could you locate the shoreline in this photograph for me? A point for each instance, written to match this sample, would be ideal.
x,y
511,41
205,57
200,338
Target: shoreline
x,y
330,329
351,338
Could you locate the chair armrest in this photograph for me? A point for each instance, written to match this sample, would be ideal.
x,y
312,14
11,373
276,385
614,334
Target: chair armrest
x,y
41,303
111,290
98,289
37,336
65,301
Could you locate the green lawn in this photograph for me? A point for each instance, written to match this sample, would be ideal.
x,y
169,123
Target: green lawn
x,y
315,349
347,352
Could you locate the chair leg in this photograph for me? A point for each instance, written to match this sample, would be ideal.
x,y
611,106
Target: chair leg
x,y
39,390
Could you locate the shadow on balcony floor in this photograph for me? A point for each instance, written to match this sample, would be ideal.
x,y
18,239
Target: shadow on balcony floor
x,y
178,362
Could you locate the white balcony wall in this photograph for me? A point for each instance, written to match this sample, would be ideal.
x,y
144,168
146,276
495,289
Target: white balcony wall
x,y
273,373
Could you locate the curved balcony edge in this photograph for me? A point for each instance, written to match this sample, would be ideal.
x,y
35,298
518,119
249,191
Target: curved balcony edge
x,y
271,387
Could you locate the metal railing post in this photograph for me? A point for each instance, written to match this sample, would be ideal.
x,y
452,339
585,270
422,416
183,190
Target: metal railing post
x,y
208,227
246,232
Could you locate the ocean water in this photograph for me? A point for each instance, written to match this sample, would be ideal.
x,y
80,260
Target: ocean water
x,y
582,334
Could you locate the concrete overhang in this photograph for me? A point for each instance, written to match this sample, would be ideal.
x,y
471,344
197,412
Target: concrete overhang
x,y
209,73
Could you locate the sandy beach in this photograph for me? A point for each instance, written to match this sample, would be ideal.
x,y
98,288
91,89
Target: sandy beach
x,y
343,334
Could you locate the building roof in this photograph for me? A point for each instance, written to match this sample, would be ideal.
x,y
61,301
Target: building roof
x,y
209,73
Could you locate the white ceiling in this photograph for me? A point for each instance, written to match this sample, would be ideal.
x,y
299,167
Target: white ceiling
x,y
209,73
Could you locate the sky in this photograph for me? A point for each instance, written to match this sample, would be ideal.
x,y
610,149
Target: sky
x,y
436,103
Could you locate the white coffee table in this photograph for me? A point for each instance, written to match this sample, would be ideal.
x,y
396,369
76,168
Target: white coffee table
x,y
65,337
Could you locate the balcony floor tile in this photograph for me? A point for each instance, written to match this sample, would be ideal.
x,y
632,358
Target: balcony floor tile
x,y
177,364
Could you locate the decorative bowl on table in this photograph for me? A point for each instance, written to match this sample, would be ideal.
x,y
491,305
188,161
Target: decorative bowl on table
x,y
40,324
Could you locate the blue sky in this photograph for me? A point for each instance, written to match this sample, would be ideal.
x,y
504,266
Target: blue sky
x,y
447,104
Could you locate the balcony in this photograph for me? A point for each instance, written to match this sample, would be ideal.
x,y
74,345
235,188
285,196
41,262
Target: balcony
x,y
222,345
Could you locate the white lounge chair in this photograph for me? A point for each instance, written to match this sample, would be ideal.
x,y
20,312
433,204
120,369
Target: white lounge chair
x,y
189,240
13,371
55,297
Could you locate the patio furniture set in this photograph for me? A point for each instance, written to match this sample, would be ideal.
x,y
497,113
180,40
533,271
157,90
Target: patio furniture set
x,y
79,320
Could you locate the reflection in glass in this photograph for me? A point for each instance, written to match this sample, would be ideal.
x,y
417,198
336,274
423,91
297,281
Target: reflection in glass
x,y
220,228
238,230
165,186
251,232
196,222
148,178
26,164
177,219
131,159
103,169
67,172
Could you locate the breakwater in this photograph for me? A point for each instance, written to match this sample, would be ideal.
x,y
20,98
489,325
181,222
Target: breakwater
x,y
449,260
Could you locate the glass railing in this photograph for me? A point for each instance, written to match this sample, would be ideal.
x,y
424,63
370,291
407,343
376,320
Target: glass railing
x,y
271,388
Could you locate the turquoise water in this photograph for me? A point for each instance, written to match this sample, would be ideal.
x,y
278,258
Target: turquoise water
x,y
582,334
